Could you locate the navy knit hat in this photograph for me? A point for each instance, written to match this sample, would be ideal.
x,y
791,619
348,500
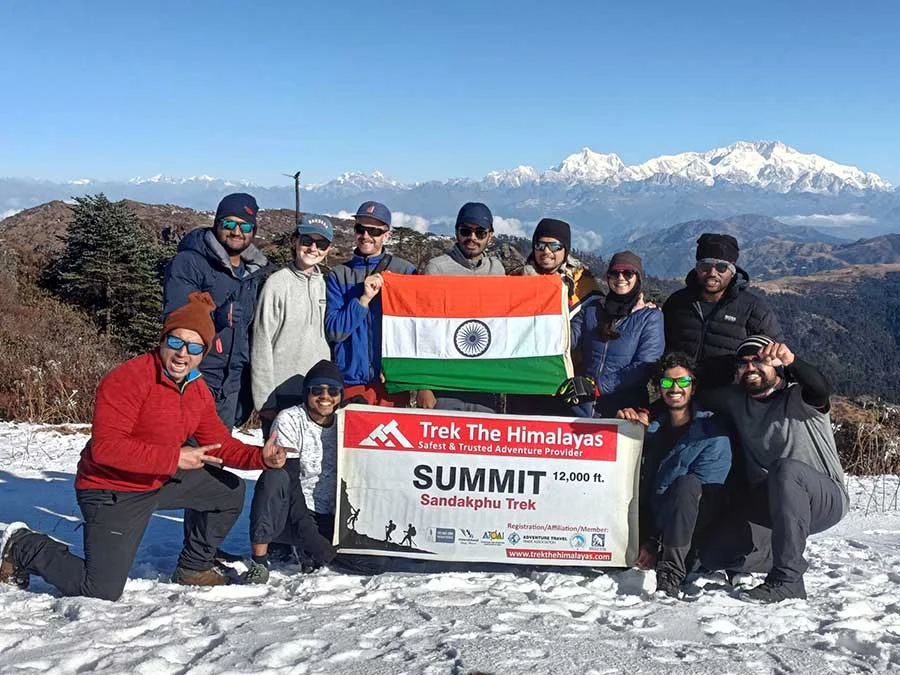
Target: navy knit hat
x,y
477,214
324,372
557,229
239,205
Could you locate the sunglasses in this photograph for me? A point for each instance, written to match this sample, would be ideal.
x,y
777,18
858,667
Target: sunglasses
x,y
628,275
743,365
324,389
373,232
319,242
229,225
548,246
465,232
720,267
668,382
193,348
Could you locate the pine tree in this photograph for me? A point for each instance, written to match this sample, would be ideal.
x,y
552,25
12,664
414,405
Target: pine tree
x,y
111,269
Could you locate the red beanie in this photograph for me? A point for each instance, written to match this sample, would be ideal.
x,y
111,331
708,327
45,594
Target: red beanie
x,y
194,316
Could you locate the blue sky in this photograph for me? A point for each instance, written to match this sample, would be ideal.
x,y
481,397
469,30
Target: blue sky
x,y
423,90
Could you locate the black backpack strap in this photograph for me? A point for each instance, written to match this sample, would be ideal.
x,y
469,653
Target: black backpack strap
x,y
383,263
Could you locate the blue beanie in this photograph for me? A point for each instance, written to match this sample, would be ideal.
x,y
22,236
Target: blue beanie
x,y
324,372
477,214
239,205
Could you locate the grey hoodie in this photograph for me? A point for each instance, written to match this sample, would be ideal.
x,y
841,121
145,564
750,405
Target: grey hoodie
x,y
454,263
288,336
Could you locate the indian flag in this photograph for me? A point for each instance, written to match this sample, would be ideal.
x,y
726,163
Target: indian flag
x,y
488,334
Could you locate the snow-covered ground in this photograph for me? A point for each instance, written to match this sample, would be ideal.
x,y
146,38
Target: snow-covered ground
x,y
448,620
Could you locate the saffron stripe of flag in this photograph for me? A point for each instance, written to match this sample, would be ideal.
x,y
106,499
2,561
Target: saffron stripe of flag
x,y
486,334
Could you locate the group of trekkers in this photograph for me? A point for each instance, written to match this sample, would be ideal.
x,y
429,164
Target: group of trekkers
x,y
739,464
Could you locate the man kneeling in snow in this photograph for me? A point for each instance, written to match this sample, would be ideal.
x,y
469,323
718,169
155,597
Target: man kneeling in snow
x,y
686,459
138,462
780,410
295,505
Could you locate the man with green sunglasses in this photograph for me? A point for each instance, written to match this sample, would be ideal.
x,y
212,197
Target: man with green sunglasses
x,y
687,457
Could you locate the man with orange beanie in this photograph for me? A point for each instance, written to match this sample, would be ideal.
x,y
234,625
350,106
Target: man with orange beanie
x,y
138,461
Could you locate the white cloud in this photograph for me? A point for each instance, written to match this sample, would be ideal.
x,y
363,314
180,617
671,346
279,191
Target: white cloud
x,y
587,240
510,226
829,219
8,213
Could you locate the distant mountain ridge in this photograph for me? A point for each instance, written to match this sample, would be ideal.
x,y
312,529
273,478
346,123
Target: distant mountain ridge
x,y
769,248
598,193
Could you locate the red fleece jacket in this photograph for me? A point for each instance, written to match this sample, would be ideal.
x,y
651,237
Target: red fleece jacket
x,y
141,421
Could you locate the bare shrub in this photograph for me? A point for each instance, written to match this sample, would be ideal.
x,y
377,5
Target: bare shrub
x,y
867,432
51,361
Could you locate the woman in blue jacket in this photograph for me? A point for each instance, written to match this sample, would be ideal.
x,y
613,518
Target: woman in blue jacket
x,y
618,338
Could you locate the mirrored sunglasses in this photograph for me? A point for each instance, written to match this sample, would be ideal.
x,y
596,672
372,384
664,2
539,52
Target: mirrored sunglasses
x,y
193,348
743,365
548,246
668,382
373,232
229,224
465,232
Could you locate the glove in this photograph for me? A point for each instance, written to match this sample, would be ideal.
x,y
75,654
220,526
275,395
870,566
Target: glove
x,y
578,389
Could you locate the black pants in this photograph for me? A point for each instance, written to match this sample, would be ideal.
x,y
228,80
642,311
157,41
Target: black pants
x,y
769,531
114,523
279,514
689,509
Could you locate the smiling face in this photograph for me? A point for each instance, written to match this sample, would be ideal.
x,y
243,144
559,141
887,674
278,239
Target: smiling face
x,y
756,377
309,250
472,240
370,236
178,363
713,282
621,281
547,260
234,240
677,396
321,404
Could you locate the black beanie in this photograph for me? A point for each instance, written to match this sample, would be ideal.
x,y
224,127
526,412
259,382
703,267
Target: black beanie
x,y
718,246
238,204
324,372
558,229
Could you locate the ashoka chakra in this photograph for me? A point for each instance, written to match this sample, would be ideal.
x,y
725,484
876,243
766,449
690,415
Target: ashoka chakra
x,y
472,338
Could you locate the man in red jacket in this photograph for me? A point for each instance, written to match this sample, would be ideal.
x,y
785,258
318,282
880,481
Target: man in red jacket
x,y
138,461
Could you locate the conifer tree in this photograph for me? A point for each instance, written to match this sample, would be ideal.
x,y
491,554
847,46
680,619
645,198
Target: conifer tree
x,y
111,269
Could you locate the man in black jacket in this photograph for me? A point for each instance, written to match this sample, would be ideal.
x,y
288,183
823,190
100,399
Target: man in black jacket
x,y
711,316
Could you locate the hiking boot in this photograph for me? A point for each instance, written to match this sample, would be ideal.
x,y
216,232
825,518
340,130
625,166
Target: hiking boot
x,y
668,584
775,590
10,572
214,576
256,573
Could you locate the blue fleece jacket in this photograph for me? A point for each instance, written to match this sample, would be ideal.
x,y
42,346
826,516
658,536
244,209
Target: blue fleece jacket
x,y
352,329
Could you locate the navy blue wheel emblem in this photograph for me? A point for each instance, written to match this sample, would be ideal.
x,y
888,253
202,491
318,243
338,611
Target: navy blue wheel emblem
x,y
472,338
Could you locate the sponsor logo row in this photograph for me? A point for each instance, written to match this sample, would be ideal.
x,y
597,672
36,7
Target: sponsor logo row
x,y
579,540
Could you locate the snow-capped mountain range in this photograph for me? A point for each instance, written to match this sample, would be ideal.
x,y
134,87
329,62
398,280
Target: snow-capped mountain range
x,y
597,192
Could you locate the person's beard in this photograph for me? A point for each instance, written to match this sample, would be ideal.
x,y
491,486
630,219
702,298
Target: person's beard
x,y
760,385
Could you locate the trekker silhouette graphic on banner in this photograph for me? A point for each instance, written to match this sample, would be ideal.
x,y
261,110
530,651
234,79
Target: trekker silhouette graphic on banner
x,y
352,518
408,536
388,529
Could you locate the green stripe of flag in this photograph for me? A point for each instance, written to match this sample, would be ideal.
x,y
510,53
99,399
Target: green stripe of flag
x,y
529,375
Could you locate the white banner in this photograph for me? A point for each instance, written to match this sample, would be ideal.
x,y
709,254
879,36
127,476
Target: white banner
x,y
441,485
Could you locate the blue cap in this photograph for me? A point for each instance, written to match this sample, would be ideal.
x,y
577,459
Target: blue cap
x,y
238,204
310,223
375,210
477,214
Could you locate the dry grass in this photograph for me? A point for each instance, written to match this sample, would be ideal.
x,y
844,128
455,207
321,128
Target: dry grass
x,y
867,432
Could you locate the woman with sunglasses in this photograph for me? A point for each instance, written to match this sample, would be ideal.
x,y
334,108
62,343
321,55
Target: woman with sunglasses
x,y
295,506
618,338
290,313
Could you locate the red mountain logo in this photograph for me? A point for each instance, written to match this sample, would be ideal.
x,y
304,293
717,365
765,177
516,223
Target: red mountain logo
x,y
249,211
